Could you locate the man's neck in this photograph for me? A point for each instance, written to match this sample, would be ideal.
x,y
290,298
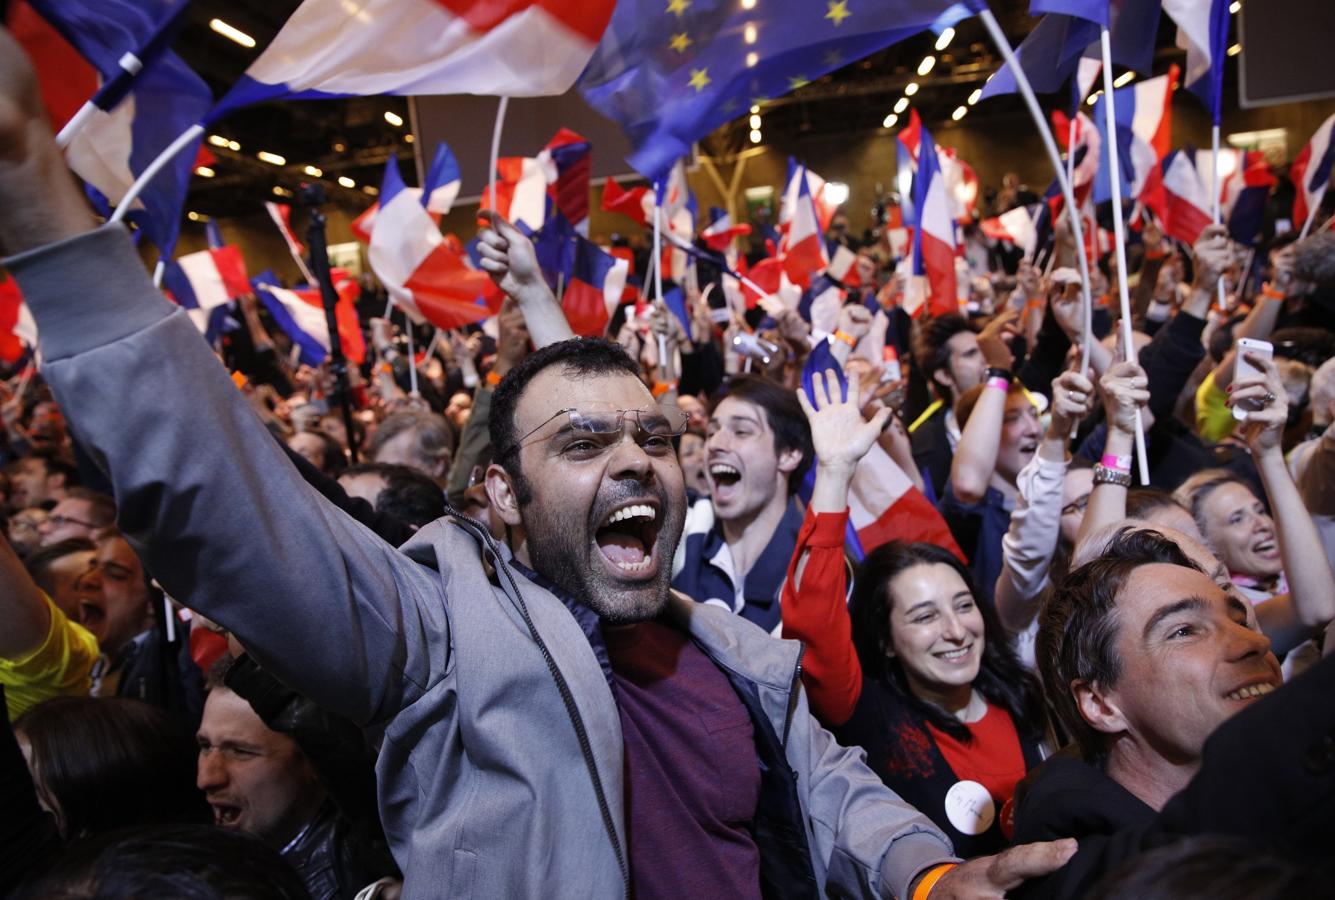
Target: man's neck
x,y
1147,775
748,537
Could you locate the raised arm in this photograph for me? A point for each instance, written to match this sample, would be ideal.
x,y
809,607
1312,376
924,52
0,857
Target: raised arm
x,y
25,616
1125,389
205,495
508,257
976,456
813,603
1311,583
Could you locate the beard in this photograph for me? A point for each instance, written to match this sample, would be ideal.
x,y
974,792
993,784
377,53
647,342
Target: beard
x,y
564,550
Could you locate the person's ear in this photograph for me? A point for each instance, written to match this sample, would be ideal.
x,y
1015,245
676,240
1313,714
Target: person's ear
x,y
944,382
789,460
1098,707
502,496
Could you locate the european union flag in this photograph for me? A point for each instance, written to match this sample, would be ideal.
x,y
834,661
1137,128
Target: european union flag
x,y
671,71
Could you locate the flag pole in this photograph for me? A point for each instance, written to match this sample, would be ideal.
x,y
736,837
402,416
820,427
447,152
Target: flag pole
x,y
496,150
1119,234
658,277
182,141
1215,199
76,123
412,356
1068,193
1311,216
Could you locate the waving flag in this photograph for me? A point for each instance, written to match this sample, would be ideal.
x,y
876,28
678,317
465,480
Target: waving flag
x,y
17,327
672,72
1311,173
138,115
719,234
303,322
1243,193
594,288
333,48
961,184
1144,120
1202,30
798,177
1187,210
422,273
571,161
207,279
803,247
1016,226
438,194
934,231
636,203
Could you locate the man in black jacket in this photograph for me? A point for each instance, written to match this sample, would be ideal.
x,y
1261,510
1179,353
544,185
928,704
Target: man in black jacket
x,y
1155,669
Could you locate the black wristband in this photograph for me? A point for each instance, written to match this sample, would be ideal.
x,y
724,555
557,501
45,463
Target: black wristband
x,y
994,372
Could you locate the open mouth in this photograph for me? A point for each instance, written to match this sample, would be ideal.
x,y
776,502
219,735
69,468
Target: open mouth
x,y
1266,549
724,474
627,538
1029,447
91,614
226,815
1250,691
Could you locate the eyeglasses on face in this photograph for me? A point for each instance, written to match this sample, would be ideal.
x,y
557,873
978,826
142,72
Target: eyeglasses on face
x,y
56,521
603,427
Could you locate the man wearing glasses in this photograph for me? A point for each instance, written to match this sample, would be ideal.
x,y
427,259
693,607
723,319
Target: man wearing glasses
x,y
556,722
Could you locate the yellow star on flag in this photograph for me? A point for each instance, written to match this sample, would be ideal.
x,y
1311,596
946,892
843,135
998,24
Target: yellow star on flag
x,y
680,42
699,79
797,81
838,11
677,7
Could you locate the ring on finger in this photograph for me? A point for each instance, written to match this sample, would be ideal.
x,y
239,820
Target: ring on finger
x,y
1268,399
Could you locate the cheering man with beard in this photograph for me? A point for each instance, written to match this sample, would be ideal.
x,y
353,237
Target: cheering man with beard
x,y
555,721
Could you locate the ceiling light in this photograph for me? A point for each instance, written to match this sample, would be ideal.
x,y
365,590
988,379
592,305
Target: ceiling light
x,y
272,159
340,147
232,33
346,181
218,140
1235,50
835,193
959,113
755,135
1124,79
393,118
1235,6
901,104
926,65
204,172
281,191
373,191
755,121
748,4
975,96
1094,98
889,121
944,39
749,33
234,146
314,171
196,217
755,108
751,59
408,138
910,89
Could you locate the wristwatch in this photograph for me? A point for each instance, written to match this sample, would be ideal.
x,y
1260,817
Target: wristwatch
x,y
1104,475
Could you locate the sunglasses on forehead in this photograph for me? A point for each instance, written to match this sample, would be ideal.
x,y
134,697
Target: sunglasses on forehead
x,y
603,422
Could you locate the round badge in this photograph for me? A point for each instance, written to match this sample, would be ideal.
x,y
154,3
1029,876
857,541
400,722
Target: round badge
x,y
970,808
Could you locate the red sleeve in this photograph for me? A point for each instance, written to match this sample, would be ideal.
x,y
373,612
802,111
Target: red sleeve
x,y
817,615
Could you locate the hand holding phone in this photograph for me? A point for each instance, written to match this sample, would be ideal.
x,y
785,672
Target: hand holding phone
x,y
1245,371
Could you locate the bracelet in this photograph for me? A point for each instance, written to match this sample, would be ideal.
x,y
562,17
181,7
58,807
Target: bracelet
x,y
1104,475
841,335
663,387
1000,384
1119,461
492,378
994,372
1268,291
924,888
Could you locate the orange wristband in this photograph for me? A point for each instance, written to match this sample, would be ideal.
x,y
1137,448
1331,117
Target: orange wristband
x,y
492,378
663,387
924,888
1268,291
846,338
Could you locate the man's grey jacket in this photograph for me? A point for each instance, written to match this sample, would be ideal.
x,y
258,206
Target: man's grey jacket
x,y
501,771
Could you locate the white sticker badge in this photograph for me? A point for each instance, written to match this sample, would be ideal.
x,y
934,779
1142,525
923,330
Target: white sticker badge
x,y
970,808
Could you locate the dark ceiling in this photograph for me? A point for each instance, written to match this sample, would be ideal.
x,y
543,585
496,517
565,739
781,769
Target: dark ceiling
x,y
352,138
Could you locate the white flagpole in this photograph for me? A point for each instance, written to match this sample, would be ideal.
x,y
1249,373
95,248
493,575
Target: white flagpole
x,y
657,263
1068,193
158,271
72,128
1215,203
1119,235
166,156
496,150
412,356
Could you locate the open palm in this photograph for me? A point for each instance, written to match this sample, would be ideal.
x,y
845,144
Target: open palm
x,y
839,432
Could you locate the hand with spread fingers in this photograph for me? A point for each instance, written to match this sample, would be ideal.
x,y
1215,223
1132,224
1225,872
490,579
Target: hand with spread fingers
x,y
1266,403
839,433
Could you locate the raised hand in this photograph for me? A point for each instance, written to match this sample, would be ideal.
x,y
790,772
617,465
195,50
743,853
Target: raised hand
x,y
855,320
839,433
992,340
1211,256
1125,389
1072,400
508,257
1267,405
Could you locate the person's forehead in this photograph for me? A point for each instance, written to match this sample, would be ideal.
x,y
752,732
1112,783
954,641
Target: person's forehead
x,y
117,550
1228,497
1154,586
228,716
961,341
553,390
736,408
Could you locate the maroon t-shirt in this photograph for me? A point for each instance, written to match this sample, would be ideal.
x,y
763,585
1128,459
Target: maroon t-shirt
x,y
692,777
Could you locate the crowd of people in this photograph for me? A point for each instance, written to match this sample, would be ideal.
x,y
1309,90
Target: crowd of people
x,y
658,616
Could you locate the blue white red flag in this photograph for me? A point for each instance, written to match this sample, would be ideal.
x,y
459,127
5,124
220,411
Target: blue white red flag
x,y
636,203
1311,173
331,48
17,328
1202,30
140,113
803,248
1244,189
204,283
672,72
303,322
934,231
1144,123
594,288
1018,226
438,194
719,234
1187,208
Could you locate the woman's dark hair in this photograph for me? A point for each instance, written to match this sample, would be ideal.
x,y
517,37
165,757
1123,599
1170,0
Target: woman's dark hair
x,y
184,862
1002,679
107,763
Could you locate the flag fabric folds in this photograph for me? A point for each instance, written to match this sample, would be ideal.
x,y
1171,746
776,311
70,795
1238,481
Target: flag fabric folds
x,y
1016,226
1311,173
594,287
1144,119
670,73
438,194
1243,191
332,48
303,322
934,231
718,235
1202,30
1188,208
636,204
207,279
155,107
17,327
803,247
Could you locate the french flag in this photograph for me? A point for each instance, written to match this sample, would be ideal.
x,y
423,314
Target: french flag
x,y
422,272
636,204
800,178
571,160
1017,226
594,289
519,193
1311,174
961,184
207,279
803,248
17,327
718,235
1188,206
332,48
883,503
303,322
440,192
1244,193
934,234
1202,30
1144,125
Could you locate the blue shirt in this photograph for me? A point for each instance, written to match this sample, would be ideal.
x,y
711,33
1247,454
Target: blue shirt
x,y
978,529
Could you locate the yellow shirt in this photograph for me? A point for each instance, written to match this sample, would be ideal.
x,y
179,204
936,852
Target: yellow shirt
x,y
1214,420
60,667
